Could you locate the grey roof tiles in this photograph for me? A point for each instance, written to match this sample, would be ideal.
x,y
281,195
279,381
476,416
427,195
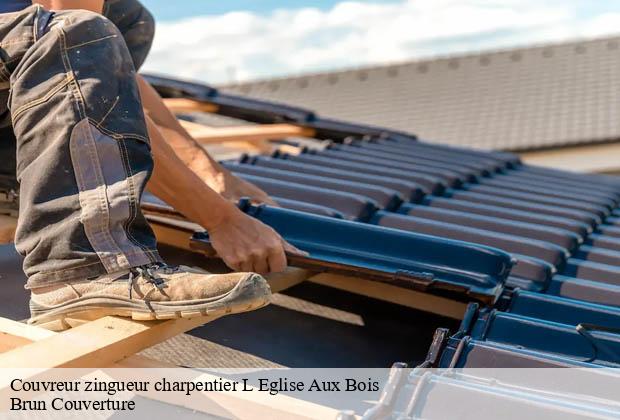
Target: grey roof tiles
x,y
520,99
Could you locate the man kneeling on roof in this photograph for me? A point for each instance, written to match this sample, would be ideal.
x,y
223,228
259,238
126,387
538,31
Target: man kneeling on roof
x,y
86,148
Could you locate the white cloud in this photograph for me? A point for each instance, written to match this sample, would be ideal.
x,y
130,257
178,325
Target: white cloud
x,y
242,45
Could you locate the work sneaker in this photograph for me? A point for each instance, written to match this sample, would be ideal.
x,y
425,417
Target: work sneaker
x,y
156,291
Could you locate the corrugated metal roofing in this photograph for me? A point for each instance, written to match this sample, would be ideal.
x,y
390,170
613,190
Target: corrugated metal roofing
x,y
519,99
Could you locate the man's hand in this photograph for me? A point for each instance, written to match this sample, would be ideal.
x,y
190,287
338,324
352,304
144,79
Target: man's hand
x,y
242,242
233,188
246,244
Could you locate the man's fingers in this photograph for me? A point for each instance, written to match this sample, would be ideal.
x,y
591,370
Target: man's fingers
x,y
269,201
247,265
293,250
277,260
233,265
261,265
264,199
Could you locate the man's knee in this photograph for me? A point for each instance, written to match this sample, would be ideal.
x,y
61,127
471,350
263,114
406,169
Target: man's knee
x,y
83,28
93,41
136,24
81,56
96,55
140,38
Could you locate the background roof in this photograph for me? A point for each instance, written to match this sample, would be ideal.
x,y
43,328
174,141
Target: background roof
x,y
518,99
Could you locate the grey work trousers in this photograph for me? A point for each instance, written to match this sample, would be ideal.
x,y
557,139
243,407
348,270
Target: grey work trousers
x,y
70,108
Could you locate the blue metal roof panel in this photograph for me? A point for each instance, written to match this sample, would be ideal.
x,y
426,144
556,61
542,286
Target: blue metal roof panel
x,y
433,183
547,336
571,225
546,251
563,310
386,198
470,171
590,270
353,206
308,207
468,353
585,290
475,168
410,190
567,203
561,237
454,176
477,270
609,231
598,255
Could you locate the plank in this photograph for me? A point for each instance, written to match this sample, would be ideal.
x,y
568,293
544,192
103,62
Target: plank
x,y
181,105
249,133
97,343
8,225
208,137
10,342
287,279
290,149
177,235
15,334
239,405
388,293
24,331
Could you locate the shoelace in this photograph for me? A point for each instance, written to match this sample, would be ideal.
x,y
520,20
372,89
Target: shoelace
x,y
149,273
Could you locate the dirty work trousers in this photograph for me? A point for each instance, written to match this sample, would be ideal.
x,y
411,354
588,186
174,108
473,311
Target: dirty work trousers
x,y
70,107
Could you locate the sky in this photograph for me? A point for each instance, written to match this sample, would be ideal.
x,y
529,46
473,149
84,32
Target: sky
x,y
240,40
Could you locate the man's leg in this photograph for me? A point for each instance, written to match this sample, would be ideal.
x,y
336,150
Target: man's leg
x,y
136,24
83,159
83,153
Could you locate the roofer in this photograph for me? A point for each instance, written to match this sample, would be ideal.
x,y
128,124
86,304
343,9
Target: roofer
x,y
85,150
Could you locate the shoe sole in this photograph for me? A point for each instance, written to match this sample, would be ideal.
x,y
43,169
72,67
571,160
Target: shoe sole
x,y
251,293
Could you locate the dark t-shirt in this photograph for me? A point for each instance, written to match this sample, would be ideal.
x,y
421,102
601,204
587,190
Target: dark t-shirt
x,y
7,6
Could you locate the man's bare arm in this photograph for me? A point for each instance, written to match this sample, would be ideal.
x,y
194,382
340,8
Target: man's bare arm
x,y
244,243
92,5
193,154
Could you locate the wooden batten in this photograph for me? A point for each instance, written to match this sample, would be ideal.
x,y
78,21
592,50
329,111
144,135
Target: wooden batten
x,y
8,224
249,133
169,234
181,105
601,158
97,343
393,294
